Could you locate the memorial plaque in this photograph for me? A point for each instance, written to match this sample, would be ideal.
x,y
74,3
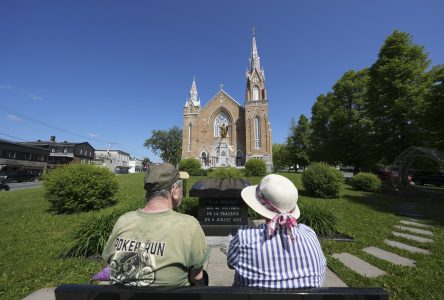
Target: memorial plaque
x,y
222,211
221,208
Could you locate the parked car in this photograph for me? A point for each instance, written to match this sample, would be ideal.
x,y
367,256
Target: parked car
x,y
18,176
386,173
433,178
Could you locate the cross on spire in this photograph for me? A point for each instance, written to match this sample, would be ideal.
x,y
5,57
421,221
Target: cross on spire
x,y
221,86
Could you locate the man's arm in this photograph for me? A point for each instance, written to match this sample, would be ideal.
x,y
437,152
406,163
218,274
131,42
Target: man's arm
x,y
197,278
199,255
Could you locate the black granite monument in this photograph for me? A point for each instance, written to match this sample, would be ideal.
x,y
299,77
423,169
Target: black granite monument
x,y
221,208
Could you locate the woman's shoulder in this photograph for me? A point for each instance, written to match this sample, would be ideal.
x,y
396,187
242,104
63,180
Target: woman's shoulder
x,y
305,229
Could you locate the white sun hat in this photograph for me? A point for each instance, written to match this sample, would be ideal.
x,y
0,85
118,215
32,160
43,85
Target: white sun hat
x,y
275,194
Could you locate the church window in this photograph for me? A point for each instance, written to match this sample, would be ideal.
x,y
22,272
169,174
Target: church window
x,y
257,133
221,118
190,127
255,93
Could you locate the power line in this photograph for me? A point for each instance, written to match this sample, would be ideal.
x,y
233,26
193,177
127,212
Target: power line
x,y
14,137
28,118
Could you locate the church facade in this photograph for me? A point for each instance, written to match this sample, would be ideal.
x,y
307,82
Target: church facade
x,y
223,133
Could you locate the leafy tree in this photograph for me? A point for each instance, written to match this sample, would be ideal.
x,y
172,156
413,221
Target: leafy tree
x,y
340,128
348,125
434,109
280,154
319,138
146,162
298,142
167,144
396,91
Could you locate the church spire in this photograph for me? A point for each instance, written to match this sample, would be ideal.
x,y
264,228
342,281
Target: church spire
x,y
254,58
194,98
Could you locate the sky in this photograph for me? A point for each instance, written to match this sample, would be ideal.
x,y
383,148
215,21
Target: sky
x,y
110,72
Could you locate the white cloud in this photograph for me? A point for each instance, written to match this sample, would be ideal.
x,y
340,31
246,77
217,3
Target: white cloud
x,y
5,87
93,134
14,118
34,97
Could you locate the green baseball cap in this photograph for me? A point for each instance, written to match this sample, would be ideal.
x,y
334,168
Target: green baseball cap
x,y
161,176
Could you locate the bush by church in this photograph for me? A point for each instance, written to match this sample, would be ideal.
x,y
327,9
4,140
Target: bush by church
x,y
367,182
255,167
322,181
192,166
79,188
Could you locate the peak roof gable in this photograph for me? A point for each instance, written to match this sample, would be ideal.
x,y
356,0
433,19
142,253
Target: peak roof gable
x,y
217,95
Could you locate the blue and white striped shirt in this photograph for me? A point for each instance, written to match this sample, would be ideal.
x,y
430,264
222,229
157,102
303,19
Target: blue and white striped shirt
x,y
276,261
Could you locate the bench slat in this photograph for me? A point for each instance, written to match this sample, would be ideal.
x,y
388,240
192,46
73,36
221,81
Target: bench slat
x,y
100,292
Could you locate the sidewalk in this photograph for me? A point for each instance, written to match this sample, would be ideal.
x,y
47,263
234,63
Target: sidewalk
x,y
216,267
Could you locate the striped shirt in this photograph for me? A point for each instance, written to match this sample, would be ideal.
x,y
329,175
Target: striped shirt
x,y
276,261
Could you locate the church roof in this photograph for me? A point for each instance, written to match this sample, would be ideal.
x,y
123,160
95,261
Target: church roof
x,y
221,91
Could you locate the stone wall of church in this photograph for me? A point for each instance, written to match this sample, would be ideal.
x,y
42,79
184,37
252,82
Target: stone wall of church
x,y
264,151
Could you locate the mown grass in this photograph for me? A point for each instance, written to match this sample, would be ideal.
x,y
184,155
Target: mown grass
x,y
33,239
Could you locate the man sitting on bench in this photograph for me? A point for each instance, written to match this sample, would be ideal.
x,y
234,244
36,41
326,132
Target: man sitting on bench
x,y
156,246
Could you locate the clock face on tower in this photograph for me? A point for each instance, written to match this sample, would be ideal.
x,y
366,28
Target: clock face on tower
x,y
255,79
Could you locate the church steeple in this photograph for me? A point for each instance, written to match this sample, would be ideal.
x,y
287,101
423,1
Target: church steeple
x,y
258,141
193,98
255,60
255,75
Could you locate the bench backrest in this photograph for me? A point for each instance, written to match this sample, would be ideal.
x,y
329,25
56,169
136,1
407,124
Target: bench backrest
x,y
100,292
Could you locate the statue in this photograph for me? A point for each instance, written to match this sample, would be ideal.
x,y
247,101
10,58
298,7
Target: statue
x,y
224,130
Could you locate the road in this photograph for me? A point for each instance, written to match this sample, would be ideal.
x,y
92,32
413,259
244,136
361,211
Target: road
x,y
24,185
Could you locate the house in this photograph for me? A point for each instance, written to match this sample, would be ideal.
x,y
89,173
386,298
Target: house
x,y
21,158
62,153
135,165
116,160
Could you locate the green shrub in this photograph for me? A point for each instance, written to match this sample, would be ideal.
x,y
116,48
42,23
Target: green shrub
x,y
322,221
226,173
189,206
191,165
366,182
255,167
78,188
322,181
91,236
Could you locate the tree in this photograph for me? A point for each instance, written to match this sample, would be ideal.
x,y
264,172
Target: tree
x,y
167,144
279,156
433,120
298,142
396,90
146,162
340,128
348,125
319,138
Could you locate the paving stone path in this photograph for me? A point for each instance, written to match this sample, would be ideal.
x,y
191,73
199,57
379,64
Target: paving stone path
x,y
412,228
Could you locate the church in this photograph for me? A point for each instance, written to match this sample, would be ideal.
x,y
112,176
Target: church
x,y
223,133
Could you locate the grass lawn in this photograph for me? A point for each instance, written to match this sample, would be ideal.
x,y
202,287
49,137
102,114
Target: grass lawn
x,y
32,239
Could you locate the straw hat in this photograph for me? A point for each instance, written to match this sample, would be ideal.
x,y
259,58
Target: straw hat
x,y
274,192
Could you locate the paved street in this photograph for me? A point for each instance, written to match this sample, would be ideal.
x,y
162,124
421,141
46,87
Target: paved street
x,y
24,185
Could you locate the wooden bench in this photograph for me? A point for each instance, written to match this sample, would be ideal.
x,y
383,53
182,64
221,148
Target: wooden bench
x,y
100,292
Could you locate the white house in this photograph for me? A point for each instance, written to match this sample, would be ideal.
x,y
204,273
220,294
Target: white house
x,y
116,160
135,166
